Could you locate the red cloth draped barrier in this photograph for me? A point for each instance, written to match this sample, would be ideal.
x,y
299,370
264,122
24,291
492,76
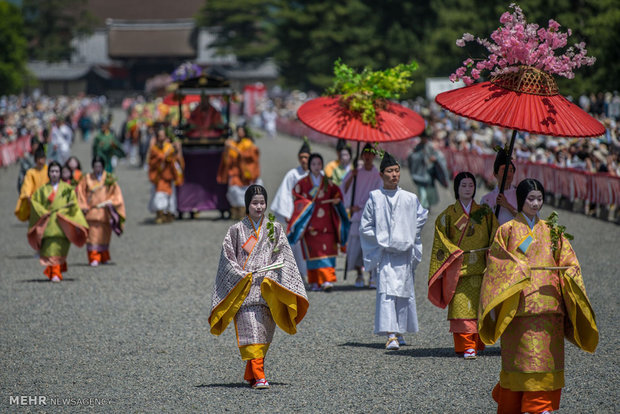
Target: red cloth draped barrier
x,y
10,152
600,188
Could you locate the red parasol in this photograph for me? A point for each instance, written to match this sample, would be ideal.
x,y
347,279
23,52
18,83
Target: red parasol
x,y
327,116
526,100
173,99
535,108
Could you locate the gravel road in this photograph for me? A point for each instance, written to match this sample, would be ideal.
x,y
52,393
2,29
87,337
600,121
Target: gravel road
x,y
133,336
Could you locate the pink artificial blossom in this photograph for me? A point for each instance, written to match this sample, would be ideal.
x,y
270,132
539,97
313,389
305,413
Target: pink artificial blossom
x,y
516,42
505,18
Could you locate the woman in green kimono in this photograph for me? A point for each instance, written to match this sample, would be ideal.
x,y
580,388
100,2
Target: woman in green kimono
x,y
106,146
56,221
463,233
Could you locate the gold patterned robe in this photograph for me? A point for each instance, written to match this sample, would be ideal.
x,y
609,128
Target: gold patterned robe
x,y
257,301
532,307
458,260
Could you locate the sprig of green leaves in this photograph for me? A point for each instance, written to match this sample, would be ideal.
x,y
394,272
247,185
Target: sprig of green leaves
x,y
556,230
366,92
271,231
481,213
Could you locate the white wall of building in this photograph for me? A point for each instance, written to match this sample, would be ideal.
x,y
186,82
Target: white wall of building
x,y
91,49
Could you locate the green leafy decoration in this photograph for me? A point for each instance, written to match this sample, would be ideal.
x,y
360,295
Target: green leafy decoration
x,y
110,180
66,193
557,231
271,231
367,92
478,215
307,142
376,150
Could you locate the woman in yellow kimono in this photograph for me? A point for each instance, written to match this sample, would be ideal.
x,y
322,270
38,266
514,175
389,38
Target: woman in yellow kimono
x,y
101,200
34,179
56,221
463,233
532,297
257,285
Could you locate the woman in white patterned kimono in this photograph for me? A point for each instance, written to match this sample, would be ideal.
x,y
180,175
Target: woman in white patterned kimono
x,y
257,285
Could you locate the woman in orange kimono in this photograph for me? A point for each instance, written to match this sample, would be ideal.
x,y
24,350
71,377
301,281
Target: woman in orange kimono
x,y
533,296
321,222
239,168
165,171
101,201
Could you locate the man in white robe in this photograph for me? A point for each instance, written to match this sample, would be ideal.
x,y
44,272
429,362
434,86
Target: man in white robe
x,y
390,232
368,179
283,203
61,140
508,200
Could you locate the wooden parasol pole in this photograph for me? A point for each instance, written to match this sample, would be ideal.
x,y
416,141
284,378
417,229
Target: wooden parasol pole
x,y
357,155
505,174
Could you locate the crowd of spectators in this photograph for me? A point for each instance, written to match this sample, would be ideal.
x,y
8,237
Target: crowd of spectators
x,y
600,154
30,122
37,115
451,132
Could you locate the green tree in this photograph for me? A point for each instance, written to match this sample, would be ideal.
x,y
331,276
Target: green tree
x,y
312,34
12,49
363,33
307,36
52,24
243,27
597,22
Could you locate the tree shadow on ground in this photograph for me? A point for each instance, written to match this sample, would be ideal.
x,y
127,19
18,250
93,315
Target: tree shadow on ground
x,y
149,222
440,352
409,350
23,256
64,279
205,218
233,385
82,264
373,345
349,288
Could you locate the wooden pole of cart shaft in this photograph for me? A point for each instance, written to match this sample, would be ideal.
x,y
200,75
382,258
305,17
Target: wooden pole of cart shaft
x,y
180,98
505,174
228,102
355,160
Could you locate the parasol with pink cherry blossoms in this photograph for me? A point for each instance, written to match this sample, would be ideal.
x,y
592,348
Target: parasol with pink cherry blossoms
x,y
522,94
